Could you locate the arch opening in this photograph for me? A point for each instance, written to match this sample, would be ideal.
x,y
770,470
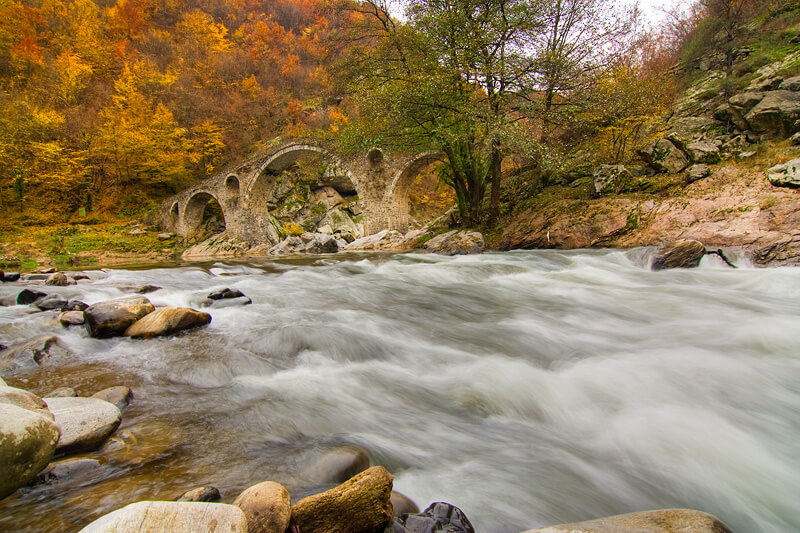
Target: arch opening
x,y
232,189
174,213
417,195
203,216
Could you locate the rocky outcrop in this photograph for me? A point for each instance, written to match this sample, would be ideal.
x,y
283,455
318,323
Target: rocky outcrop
x,y
697,172
664,156
438,516
776,113
166,321
387,239
785,175
267,507
85,422
307,243
27,443
661,521
113,317
683,253
456,243
611,178
174,517
359,505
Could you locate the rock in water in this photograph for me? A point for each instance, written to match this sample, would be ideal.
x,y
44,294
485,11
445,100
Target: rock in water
x,y
785,175
171,517
24,399
63,392
337,466
28,296
402,504
201,494
221,294
71,318
85,422
456,243
33,352
359,505
51,302
683,253
440,517
167,320
120,396
113,317
661,521
27,443
267,507
58,279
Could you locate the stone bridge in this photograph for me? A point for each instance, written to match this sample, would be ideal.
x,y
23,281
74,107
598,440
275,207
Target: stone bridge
x,y
382,182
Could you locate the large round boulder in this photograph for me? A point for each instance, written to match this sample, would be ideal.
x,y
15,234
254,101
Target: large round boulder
x,y
167,320
456,243
111,318
172,517
661,521
267,507
359,505
85,422
26,400
27,444
683,253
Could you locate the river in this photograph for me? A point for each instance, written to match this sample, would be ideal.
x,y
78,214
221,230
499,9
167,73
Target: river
x,y
527,388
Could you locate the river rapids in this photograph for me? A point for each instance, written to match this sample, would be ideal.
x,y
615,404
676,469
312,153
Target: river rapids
x,y
527,388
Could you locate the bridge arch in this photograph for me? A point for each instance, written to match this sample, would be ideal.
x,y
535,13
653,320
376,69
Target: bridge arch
x,y
397,193
195,208
232,188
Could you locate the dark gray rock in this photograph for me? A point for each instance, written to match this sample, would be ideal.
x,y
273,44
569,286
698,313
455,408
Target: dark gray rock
x,y
51,302
28,296
790,84
113,317
703,152
226,293
227,302
10,277
439,517
75,305
746,101
683,253
71,469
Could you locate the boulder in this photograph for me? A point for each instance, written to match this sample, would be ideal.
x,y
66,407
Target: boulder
x,y
660,521
664,156
289,246
27,444
267,507
438,516
70,468
456,243
75,305
790,84
172,517
327,196
10,277
85,422
795,139
746,101
697,172
733,115
24,399
339,223
59,279
33,352
51,302
63,392
359,505
786,174
703,152
775,114
71,318
166,321
321,244
387,239
337,466
227,302
28,296
683,253
120,396
223,294
402,504
610,178
111,318
201,494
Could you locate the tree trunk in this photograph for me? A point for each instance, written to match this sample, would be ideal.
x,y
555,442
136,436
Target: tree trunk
x,y
496,160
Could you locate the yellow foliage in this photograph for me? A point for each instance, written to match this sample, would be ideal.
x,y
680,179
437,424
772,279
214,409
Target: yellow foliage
x,y
206,33
291,228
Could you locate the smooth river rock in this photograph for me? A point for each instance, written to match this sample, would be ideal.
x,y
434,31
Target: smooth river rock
x,y
439,516
24,399
51,302
31,353
167,320
201,494
28,296
267,507
660,521
71,318
111,318
402,504
683,253
359,505
171,517
27,444
85,422
120,396
456,243
58,279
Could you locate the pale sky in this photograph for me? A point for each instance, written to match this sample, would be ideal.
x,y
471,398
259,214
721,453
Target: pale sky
x,y
652,9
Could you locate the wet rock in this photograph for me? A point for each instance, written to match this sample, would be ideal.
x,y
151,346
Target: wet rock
x,y
9,277
402,504
119,395
697,172
28,296
438,517
59,279
35,351
201,494
664,156
166,321
113,317
75,305
50,303
70,468
267,507
703,152
71,318
228,302
661,521
387,239
146,442
785,175
85,422
610,178
321,244
24,399
34,277
683,253
775,114
27,444
456,243
337,466
226,293
146,289
172,517
63,392
78,276
361,504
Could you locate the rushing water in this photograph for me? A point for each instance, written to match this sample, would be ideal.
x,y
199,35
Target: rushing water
x,y
527,388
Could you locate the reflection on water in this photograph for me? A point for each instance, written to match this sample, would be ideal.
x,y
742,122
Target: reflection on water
x,y
527,388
